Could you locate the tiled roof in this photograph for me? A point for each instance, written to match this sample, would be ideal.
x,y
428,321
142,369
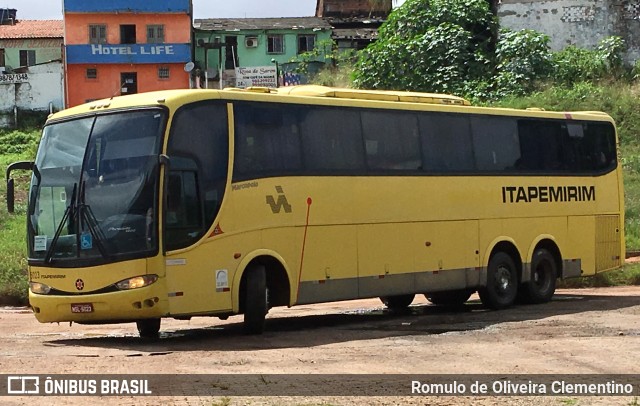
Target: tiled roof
x,y
228,24
33,29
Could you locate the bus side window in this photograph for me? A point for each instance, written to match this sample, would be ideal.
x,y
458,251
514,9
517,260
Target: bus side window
x,y
183,214
539,146
391,141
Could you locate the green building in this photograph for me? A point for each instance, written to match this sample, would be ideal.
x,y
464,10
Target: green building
x,y
26,43
222,45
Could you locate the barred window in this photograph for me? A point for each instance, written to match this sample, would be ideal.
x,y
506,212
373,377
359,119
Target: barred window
x,y
275,44
163,72
92,73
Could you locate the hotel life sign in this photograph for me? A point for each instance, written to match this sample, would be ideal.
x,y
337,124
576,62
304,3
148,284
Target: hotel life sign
x,y
12,78
129,53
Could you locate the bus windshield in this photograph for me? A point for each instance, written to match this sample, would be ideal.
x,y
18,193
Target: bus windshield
x,y
94,191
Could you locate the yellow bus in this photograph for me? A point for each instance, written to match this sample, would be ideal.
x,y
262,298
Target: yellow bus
x,y
216,203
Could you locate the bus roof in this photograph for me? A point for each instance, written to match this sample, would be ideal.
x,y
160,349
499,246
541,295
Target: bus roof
x,y
323,95
356,94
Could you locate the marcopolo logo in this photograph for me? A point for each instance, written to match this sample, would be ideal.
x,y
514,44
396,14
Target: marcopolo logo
x,y
281,203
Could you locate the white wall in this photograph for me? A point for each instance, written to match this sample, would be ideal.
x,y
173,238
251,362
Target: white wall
x,y
44,86
583,23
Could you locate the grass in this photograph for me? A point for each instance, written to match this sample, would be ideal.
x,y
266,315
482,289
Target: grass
x,y
14,146
620,100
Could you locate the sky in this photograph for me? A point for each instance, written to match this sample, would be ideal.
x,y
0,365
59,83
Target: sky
x,y
52,9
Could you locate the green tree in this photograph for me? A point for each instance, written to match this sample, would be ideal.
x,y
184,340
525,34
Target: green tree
x,y
523,57
430,45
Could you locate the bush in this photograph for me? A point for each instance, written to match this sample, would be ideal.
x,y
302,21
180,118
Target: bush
x,y
573,64
523,58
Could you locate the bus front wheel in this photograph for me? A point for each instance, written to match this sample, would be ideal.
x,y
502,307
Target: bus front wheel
x,y
399,302
502,282
544,273
148,328
256,300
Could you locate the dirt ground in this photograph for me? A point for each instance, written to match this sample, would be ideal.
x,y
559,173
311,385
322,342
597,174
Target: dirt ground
x,y
585,331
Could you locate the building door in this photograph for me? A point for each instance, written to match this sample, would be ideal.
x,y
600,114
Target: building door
x,y
231,52
129,82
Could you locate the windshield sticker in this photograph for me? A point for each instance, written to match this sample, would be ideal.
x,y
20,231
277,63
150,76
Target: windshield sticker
x,y
222,280
40,243
86,241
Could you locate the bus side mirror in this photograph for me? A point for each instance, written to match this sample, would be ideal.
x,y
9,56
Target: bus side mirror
x,y
11,188
11,195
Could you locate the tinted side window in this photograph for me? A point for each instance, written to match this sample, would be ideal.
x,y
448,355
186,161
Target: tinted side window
x,y
199,152
540,146
392,141
267,140
589,147
331,139
446,143
600,139
495,142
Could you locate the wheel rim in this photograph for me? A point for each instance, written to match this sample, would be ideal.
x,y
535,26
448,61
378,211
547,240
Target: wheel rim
x,y
504,280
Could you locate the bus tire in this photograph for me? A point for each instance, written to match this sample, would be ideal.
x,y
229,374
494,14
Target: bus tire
x,y
449,298
502,282
148,328
256,299
544,272
399,302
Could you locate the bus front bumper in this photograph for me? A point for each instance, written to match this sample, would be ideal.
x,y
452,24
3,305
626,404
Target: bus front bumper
x,y
122,306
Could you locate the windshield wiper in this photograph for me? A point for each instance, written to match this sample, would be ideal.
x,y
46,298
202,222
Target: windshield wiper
x,y
68,213
87,216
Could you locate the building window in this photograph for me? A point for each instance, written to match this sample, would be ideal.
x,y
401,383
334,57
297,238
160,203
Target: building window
x,y
127,34
2,62
306,43
163,72
27,58
275,44
155,34
92,73
97,34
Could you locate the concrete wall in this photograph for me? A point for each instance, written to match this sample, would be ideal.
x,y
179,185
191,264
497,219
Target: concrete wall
x,y
43,86
583,23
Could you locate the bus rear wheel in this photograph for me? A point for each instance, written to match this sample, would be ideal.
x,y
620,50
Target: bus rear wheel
x,y
544,272
502,282
256,300
450,298
148,328
399,302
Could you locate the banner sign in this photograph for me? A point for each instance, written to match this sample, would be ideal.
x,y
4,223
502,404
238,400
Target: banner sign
x,y
260,76
11,78
128,53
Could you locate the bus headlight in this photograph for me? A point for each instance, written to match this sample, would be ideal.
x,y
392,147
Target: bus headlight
x,y
137,282
39,288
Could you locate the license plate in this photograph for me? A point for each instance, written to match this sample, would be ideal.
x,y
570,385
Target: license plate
x,y
81,308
